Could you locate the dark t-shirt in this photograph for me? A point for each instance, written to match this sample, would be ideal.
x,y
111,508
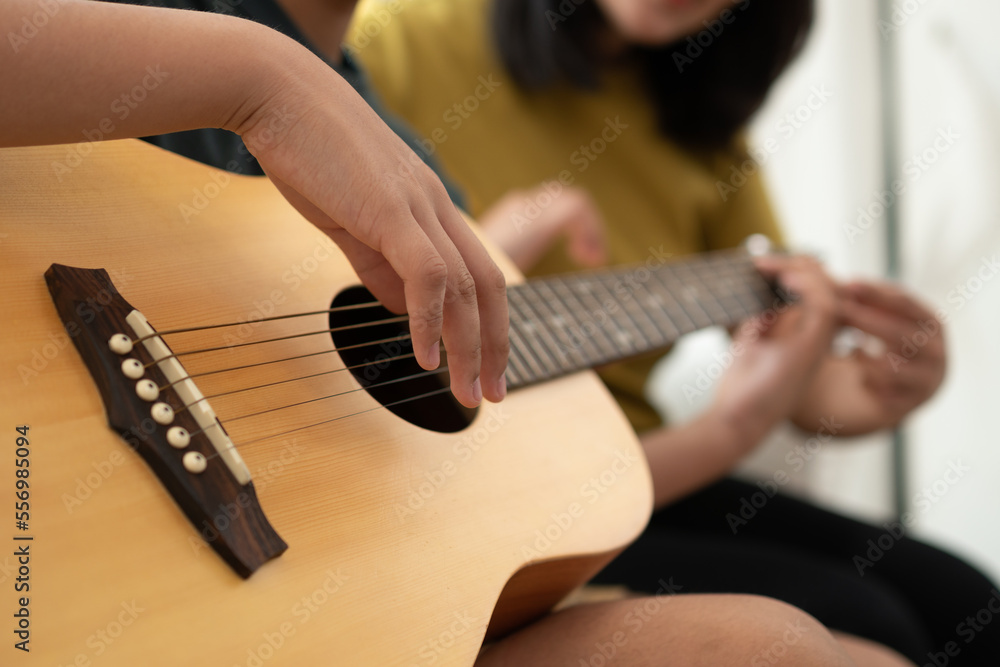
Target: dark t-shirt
x,y
224,149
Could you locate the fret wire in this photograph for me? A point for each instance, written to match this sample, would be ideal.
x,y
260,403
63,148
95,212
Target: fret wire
x,y
754,292
529,366
514,320
716,290
560,346
610,351
549,344
523,329
646,326
695,294
694,311
515,360
749,273
722,288
624,340
651,333
547,367
742,282
583,360
669,294
571,332
654,304
728,282
720,277
513,379
620,337
677,289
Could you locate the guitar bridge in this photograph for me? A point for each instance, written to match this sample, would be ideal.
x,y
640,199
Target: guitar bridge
x,y
156,408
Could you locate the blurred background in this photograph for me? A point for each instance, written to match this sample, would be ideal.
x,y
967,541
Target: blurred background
x,y
908,93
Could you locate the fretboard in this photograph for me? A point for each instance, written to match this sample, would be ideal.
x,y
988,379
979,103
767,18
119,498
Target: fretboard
x,y
562,324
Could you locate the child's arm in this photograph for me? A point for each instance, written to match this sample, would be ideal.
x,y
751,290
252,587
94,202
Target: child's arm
x,y
74,71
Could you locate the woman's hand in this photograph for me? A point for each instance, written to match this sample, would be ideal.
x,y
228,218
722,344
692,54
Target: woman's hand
x,y
867,392
526,223
777,353
775,356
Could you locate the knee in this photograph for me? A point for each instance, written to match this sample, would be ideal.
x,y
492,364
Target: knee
x,y
774,634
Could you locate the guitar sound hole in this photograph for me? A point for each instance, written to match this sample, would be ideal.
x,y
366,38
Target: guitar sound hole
x,y
385,367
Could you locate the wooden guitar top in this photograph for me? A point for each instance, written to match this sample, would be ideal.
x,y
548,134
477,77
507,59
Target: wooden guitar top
x,y
400,539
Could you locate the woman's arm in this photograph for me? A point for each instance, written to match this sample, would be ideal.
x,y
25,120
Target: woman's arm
x,y
792,375
686,458
81,71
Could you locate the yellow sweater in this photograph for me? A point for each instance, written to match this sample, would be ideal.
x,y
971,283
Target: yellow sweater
x,y
433,63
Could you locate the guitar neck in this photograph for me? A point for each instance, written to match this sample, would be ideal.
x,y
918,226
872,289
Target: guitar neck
x,y
567,323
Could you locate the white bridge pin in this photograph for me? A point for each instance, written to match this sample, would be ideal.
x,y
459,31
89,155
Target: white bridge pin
x,y
133,369
195,462
120,344
178,437
162,413
147,390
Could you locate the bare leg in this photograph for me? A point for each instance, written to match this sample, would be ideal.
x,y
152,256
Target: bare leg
x,y
674,631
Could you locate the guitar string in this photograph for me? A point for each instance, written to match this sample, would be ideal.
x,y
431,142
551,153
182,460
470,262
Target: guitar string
x,y
265,363
335,419
185,353
732,280
748,292
397,319
348,327
272,436
294,379
706,259
393,339
720,280
358,306
337,395
594,355
725,255
397,380
436,371
187,406
413,376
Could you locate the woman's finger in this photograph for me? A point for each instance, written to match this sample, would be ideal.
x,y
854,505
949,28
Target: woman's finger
x,y
888,297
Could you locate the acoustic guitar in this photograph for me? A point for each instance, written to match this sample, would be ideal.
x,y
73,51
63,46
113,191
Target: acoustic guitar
x,y
219,451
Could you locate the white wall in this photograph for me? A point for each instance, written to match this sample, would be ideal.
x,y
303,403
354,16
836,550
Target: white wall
x,y
951,78
827,166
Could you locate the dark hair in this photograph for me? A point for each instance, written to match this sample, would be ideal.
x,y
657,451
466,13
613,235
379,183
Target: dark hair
x,y
704,87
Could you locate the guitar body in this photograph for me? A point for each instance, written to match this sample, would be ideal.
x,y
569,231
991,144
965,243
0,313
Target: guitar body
x,y
401,540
